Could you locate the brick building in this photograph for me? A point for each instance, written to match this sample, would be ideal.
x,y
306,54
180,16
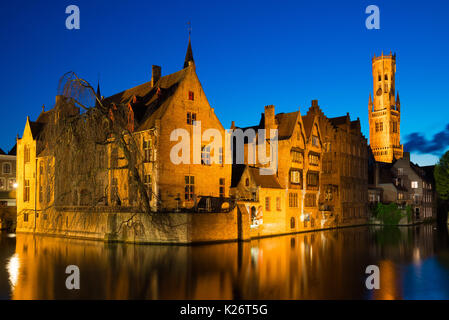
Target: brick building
x,y
344,175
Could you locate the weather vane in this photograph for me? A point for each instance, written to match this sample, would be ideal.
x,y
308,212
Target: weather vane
x,y
189,28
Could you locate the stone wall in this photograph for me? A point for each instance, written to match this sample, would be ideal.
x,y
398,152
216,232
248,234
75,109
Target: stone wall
x,y
105,224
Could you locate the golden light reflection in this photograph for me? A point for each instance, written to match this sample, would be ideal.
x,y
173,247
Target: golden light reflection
x,y
13,267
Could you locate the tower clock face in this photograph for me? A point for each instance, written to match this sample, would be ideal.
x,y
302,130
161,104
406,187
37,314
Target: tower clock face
x,y
379,92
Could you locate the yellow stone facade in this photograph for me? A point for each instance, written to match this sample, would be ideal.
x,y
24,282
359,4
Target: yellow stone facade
x,y
384,111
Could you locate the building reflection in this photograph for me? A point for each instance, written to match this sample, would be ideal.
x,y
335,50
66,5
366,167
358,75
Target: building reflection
x,y
321,265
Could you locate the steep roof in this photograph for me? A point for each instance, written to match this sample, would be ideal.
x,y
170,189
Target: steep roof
x,y
286,124
263,181
189,55
338,121
151,102
36,129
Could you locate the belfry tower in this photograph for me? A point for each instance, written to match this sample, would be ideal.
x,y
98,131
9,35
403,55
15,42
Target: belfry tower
x,y
384,111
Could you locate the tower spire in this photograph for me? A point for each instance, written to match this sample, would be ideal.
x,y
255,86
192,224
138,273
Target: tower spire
x,y
189,53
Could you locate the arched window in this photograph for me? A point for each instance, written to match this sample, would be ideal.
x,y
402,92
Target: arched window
x,y
386,76
6,168
247,182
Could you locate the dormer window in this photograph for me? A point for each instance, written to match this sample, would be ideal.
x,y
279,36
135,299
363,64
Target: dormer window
x,y
191,96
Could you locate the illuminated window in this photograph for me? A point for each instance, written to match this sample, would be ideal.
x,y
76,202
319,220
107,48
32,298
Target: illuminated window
x,y
205,155
2,183
147,150
310,200
414,184
314,159
295,176
278,203
189,187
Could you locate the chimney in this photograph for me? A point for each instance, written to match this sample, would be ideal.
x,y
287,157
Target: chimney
x,y
269,118
406,156
155,74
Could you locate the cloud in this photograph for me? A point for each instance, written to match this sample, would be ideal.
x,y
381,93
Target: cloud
x,y
416,142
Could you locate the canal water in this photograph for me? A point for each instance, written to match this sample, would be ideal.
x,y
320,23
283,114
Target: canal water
x,y
413,264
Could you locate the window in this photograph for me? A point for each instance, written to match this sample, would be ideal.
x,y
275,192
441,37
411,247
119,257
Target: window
x,y
312,179
222,187
247,182
380,77
394,126
267,203
297,156
26,153
278,203
295,176
386,77
2,183
205,155
191,96
41,194
191,117
25,217
6,168
292,223
189,187
414,184
379,126
26,191
220,155
310,200
314,159
147,150
315,141
327,147
400,196
148,186
293,200
400,171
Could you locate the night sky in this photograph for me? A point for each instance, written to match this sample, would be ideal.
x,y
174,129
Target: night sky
x,y
247,54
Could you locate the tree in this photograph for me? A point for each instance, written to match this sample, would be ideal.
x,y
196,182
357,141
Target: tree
x,y
441,174
76,137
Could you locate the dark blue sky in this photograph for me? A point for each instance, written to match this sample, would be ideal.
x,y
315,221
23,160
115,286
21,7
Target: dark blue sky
x,y
248,55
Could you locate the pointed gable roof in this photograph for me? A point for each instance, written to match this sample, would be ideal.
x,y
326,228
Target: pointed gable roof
x,y
263,181
189,55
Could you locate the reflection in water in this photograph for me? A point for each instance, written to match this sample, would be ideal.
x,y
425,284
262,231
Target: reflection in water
x,y
13,269
320,265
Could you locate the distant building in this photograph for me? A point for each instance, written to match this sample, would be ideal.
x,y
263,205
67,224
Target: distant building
x,y
406,184
7,188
